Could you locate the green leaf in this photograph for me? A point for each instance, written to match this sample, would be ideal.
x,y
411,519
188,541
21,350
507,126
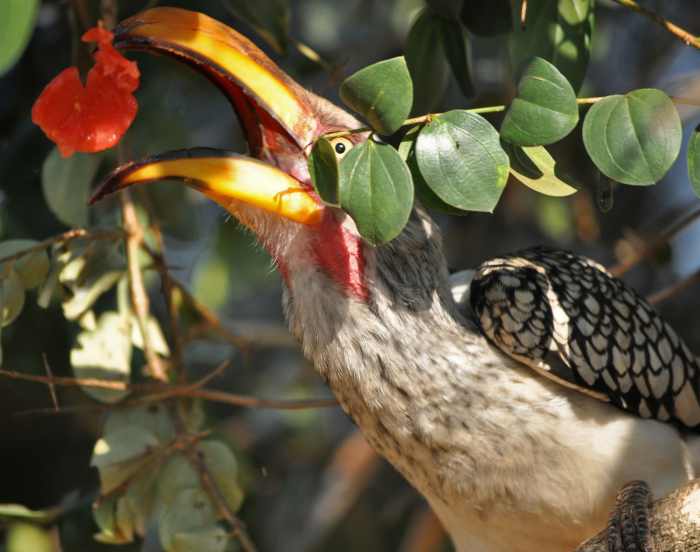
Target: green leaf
x,y
20,512
23,537
537,169
427,62
323,168
17,19
456,44
120,454
269,18
155,335
424,194
154,418
104,353
376,190
633,139
66,184
190,523
224,469
694,161
11,296
382,93
460,157
32,268
487,17
544,109
88,270
558,31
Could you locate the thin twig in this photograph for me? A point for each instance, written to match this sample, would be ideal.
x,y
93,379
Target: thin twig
x,y
159,391
523,13
681,34
663,238
422,119
65,237
139,296
668,292
255,402
52,388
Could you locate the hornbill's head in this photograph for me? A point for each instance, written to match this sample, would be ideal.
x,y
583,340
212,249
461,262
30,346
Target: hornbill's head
x,y
270,191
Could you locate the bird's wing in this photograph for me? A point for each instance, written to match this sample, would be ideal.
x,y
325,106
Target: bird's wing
x,y
568,318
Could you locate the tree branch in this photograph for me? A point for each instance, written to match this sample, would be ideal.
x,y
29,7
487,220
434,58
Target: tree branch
x,y
681,34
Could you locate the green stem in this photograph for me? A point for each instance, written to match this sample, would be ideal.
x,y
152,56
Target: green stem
x,y
487,109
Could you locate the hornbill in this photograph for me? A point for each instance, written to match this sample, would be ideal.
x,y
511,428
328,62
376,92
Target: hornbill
x,y
517,405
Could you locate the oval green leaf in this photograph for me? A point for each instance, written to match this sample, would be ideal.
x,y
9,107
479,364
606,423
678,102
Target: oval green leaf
x,y
424,194
537,169
32,268
11,296
66,184
544,109
427,62
556,30
460,157
323,168
17,19
694,161
382,93
376,190
633,139
104,353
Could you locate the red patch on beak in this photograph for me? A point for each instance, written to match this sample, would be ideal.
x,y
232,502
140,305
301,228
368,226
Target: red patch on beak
x,y
339,253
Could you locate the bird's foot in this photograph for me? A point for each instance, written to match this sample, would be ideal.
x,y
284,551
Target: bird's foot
x,y
629,527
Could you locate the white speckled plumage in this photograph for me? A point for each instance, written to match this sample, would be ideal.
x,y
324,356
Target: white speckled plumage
x,y
497,449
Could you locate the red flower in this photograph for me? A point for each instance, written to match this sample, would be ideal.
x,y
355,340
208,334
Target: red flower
x,y
93,117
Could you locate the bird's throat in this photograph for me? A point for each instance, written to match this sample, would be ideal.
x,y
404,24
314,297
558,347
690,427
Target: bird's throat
x,y
338,252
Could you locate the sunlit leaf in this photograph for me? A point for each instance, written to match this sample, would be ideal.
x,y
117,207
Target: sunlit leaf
x,y
89,270
66,183
544,109
427,62
11,296
155,336
461,159
105,354
376,190
20,512
269,18
558,31
120,454
23,537
382,93
633,139
323,168
537,169
694,161
17,19
32,268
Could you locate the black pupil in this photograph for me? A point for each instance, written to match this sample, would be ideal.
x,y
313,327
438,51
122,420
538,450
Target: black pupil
x,y
340,148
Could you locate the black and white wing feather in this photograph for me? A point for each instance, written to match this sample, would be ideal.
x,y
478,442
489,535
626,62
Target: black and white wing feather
x,y
568,318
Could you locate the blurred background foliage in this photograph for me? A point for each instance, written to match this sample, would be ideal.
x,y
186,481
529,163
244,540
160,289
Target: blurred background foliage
x,y
310,482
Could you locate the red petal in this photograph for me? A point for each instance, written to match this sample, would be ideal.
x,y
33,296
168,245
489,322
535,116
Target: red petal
x,y
93,117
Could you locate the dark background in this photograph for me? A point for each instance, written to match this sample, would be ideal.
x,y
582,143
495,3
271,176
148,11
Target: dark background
x,y
310,481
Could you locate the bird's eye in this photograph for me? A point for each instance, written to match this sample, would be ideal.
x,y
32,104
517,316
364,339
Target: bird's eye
x,y
341,146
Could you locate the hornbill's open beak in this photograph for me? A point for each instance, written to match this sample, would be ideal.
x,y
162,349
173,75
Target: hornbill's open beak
x,y
276,114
